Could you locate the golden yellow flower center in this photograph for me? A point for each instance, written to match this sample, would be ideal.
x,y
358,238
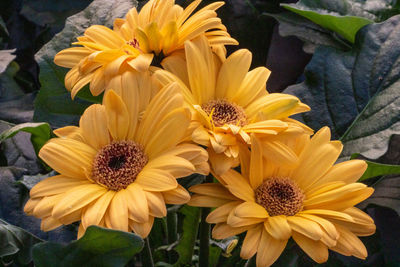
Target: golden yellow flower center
x,y
280,196
224,112
116,165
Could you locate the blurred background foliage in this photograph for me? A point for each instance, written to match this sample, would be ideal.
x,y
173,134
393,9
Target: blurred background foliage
x,y
314,48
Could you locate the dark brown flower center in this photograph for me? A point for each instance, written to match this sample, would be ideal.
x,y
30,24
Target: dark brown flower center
x,y
280,196
116,165
224,112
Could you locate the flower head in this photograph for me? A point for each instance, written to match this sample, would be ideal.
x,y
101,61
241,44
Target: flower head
x,y
313,203
229,102
158,30
118,169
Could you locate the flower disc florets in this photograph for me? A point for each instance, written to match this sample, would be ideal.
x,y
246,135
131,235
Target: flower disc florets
x,y
225,112
116,165
280,196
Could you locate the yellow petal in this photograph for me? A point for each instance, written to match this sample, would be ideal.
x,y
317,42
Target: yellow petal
x,y
198,66
142,62
256,161
103,35
177,196
278,227
118,211
55,185
168,132
68,157
252,86
117,116
156,203
220,163
77,198
222,230
206,201
315,249
348,172
94,213
49,223
221,213
269,249
349,244
94,128
238,185
251,242
142,229
306,227
70,57
44,207
232,73
138,207
156,180
212,189
251,209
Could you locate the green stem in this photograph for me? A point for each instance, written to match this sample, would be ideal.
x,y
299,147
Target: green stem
x,y
147,257
205,234
204,238
172,225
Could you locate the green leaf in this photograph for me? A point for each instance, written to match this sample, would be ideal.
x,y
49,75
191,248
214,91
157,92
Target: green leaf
x,y
98,247
377,169
40,133
313,35
53,103
16,242
347,26
322,12
186,244
356,93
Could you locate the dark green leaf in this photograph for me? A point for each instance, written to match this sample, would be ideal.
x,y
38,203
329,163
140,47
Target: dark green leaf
x,y
98,247
16,242
345,25
329,17
53,103
377,169
313,35
356,93
186,244
40,133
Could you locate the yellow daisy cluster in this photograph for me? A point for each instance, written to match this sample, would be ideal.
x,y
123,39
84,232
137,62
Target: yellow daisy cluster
x,y
175,104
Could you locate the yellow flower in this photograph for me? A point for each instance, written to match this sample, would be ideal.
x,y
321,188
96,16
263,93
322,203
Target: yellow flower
x,y
313,203
158,30
229,102
118,169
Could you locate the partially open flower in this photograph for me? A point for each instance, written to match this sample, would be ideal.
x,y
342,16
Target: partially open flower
x,y
118,169
229,102
313,203
159,30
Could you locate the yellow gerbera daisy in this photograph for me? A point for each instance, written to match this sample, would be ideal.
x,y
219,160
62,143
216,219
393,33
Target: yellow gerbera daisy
x,y
118,169
229,102
159,30
313,203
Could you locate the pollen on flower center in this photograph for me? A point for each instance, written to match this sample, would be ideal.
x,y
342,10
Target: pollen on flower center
x,y
280,196
225,112
116,165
